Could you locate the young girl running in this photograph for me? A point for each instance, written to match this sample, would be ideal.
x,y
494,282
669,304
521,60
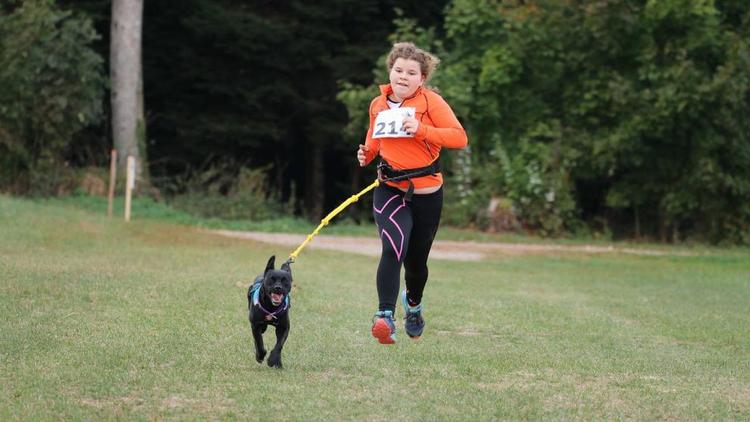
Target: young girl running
x,y
409,125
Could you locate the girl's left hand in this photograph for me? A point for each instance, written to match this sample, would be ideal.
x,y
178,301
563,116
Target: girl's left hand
x,y
410,125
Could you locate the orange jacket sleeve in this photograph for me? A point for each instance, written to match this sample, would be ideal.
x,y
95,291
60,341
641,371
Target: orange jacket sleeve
x,y
447,130
373,145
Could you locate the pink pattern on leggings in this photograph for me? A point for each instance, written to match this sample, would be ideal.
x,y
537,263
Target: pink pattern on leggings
x,y
400,249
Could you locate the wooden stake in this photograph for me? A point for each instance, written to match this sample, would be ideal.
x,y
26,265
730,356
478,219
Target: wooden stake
x,y
129,185
112,180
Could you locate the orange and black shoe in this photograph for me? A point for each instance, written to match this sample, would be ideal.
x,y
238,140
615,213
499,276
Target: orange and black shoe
x,y
383,327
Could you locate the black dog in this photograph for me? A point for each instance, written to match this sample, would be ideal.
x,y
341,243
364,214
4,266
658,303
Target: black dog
x,y
268,302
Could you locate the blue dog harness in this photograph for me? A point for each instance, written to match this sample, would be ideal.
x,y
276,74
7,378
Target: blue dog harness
x,y
255,292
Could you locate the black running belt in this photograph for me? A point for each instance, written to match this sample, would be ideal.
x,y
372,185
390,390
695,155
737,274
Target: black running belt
x,y
386,173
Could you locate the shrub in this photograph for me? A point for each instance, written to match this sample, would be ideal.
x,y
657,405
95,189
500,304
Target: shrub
x,y
52,87
222,192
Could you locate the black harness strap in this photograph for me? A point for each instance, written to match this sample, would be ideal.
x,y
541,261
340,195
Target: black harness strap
x,y
386,173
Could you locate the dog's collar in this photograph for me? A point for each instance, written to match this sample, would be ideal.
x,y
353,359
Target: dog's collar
x,y
256,301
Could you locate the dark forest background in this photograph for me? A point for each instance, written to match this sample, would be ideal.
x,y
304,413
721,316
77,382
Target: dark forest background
x,y
622,118
232,85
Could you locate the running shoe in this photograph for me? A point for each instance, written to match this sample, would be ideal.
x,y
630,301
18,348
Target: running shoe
x,y
383,327
413,321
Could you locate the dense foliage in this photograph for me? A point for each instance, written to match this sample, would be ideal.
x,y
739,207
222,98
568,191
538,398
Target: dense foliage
x,y
624,115
51,87
627,112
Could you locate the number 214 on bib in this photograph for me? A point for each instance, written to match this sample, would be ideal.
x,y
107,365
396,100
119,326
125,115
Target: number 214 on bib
x,y
390,123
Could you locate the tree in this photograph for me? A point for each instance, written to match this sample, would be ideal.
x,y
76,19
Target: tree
x,y
628,107
126,76
51,86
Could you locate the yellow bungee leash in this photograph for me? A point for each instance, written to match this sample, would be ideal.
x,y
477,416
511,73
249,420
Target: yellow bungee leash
x,y
324,222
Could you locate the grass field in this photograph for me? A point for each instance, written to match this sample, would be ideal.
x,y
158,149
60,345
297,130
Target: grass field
x,y
100,319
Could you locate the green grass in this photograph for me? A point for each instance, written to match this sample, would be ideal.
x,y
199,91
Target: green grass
x,y
100,319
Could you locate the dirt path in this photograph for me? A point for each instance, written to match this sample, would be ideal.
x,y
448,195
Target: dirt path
x,y
441,249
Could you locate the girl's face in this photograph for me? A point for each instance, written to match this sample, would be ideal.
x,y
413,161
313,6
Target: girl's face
x,y
406,77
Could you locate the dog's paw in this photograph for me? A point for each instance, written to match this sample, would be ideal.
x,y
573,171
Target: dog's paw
x,y
259,356
274,361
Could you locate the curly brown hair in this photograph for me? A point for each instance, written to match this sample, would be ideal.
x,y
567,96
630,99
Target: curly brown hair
x,y
409,51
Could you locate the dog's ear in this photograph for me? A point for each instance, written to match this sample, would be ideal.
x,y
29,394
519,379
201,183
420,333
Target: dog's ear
x,y
285,267
271,262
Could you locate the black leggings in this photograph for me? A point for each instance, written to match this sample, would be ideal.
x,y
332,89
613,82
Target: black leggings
x,y
406,230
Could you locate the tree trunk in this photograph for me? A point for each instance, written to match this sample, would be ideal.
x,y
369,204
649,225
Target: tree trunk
x,y
128,125
314,194
356,210
637,224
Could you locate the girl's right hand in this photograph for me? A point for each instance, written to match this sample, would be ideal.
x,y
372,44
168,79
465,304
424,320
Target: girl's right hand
x,y
361,154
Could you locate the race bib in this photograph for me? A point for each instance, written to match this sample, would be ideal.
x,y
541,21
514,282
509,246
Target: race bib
x,y
390,123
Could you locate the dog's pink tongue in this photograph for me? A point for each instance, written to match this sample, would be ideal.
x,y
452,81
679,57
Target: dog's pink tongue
x,y
276,298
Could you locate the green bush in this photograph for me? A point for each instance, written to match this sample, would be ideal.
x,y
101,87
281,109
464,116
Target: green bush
x,y
535,180
641,102
220,192
52,87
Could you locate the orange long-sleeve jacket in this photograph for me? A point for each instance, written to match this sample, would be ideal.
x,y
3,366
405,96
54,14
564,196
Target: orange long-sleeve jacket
x,y
438,128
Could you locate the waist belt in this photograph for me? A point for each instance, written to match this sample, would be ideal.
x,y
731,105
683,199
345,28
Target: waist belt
x,y
386,173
